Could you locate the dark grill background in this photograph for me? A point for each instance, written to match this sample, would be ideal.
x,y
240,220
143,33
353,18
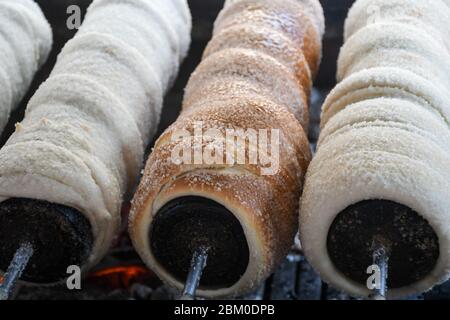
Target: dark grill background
x,y
295,278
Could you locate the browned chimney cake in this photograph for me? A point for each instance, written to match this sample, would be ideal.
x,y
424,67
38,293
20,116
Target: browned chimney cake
x,y
256,74
77,153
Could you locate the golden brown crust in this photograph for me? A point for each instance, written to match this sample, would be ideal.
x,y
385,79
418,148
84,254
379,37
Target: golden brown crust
x,y
287,17
268,41
255,75
253,203
246,112
263,75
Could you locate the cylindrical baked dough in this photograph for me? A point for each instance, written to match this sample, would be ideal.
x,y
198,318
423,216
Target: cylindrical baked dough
x,y
385,138
255,75
392,44
429,16
81,143
25,43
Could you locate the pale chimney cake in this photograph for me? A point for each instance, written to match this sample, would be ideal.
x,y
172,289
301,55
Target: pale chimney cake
x,y
256,73
66,170
381,176
25,43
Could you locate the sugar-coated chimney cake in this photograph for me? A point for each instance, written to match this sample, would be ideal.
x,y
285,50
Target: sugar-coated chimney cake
x,y
66,170
382,170
25,43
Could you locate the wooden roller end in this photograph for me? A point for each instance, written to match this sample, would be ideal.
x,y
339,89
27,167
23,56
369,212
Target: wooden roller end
x,y
412,243
185,224
60,236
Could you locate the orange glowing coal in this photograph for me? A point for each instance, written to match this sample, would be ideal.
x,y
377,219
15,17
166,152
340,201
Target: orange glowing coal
x,y
120,276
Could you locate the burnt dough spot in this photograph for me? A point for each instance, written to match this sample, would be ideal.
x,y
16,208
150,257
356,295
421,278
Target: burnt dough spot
x,y
185,224
412,244
61,236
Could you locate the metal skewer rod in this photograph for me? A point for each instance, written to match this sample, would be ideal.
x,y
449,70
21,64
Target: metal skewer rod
x,y
198,264
15,269
380,258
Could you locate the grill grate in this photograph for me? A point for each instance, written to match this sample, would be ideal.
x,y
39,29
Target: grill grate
x,y
294,280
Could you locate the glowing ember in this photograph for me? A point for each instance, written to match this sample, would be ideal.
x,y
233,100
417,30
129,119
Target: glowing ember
x,y
121,276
